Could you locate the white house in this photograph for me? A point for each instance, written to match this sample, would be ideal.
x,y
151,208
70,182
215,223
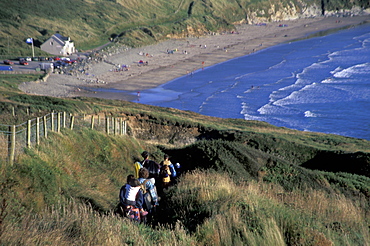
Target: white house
x,y
58,45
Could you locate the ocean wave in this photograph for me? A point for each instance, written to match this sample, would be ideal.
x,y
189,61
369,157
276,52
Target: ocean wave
x,y
309,114
280,64
359,69
336,70
328,81
310,93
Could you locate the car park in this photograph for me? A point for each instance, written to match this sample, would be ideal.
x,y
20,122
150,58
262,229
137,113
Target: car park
x,y
8,62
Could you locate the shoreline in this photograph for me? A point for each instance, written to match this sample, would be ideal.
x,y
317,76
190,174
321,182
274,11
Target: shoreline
x,y
186,55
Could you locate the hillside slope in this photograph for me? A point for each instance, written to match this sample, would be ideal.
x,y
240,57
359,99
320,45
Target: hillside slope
x,y
93,23
245,178
250,179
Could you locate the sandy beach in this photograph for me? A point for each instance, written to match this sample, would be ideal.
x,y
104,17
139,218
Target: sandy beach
x,y
173,58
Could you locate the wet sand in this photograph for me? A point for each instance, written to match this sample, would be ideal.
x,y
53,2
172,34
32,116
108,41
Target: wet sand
x,y
174,58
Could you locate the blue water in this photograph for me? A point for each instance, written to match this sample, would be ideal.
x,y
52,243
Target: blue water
x,y
319,84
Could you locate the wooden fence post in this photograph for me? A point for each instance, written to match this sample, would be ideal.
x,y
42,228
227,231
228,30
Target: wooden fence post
x,y
45,126
38,130
72,122
92,122
58,121
52,122
29,133
124,127
11,145
107,125
120,127
64,119
114,121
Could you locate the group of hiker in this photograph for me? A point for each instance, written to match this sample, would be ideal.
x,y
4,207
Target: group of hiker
x,y
139,196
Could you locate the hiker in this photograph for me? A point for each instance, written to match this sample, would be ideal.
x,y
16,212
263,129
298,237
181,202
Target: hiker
x,y
131,197
151,199
137,167
152,166
122,193
165,175
166,161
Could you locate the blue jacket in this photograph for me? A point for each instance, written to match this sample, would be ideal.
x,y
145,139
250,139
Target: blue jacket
x,y
151,188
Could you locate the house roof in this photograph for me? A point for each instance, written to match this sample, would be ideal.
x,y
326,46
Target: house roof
x,y
60,39
59,36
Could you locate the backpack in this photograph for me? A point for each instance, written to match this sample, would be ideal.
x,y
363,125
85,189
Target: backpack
x,y
163,173
152,168
148,203
143,186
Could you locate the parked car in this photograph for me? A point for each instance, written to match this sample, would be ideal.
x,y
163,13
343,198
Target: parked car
x,y
60,64
8,62
28,59
35,58
68,60
23,62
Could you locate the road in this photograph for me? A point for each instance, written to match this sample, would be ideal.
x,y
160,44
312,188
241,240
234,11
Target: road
x,y
35,64
24,68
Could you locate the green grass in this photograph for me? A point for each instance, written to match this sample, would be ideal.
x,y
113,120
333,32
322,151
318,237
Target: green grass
x,y
232,194
134,23
247,182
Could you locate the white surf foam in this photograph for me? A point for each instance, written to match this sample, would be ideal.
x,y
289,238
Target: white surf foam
x,y
309,114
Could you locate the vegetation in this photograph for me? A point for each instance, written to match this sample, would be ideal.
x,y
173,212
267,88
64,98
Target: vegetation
x,y
133,23
243,182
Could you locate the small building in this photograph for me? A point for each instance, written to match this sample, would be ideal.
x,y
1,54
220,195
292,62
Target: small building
x,y
58,45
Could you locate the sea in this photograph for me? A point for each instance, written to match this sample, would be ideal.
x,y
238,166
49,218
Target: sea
x,y
316,84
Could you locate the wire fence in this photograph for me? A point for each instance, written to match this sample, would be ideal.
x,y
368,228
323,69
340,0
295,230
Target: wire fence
x,y
15,138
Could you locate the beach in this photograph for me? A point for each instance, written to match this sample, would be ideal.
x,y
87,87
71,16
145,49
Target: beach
x,y
173,58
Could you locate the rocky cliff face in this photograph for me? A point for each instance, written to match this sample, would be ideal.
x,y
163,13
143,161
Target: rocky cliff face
x,y
263,11
279,12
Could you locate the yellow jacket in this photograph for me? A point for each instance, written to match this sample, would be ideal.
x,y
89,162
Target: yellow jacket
x,y
137,166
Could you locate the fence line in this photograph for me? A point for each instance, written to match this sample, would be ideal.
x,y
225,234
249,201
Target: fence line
x,y
15,138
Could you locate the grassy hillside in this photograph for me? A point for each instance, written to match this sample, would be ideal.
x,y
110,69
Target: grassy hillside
x,y
66,190
243,182
133,23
